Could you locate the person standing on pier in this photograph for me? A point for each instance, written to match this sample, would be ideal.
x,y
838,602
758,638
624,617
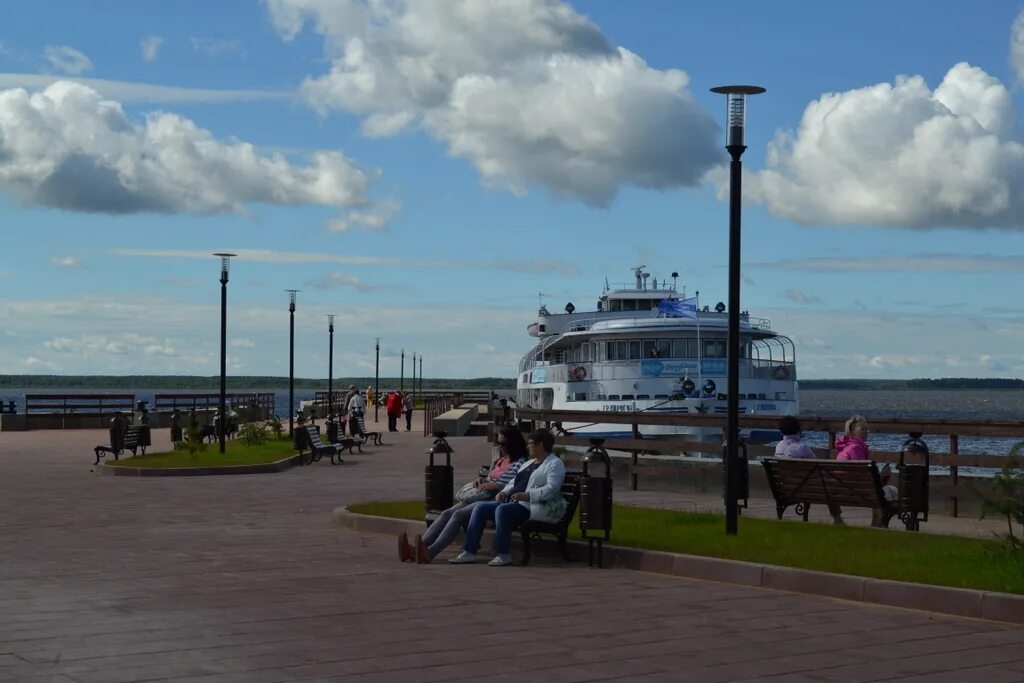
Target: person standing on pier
x,y
407,406
356,408
393,405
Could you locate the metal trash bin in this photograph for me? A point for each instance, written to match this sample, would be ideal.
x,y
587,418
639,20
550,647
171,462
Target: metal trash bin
x,y
596,501
438,480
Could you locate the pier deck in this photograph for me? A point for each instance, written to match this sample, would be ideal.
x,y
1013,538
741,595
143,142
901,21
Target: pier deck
x,y
242,578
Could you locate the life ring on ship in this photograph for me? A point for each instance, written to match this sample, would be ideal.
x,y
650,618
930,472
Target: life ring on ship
x,y
688,386
578,373
780,372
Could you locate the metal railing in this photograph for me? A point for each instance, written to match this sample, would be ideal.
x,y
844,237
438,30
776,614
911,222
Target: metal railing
x,y
262,402
439,404
647,445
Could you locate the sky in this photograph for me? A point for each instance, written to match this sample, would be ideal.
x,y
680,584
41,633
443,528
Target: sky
x,y
424,169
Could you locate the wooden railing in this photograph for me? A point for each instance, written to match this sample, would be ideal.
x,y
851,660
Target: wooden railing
x,y
650,445
263,402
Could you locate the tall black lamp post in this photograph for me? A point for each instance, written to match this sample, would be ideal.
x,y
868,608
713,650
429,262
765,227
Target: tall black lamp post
x,y
736,110
401,374
421,374
330,367
291,359
414,372
225,262
376,386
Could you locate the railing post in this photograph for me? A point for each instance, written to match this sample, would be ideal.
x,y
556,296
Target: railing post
x,y
633,475
954,473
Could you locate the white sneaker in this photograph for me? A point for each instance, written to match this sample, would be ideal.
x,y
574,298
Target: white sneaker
x,y
500,561
463,558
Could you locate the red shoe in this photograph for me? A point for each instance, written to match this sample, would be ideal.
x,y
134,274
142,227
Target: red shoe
x,y
405,552
422,552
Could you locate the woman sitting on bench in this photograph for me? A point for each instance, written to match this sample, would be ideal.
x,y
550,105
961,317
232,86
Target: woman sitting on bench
x,y
446,527
541,500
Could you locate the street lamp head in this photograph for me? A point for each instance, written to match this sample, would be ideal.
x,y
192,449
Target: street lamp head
x,y
736,110
225,263
330,321
291,298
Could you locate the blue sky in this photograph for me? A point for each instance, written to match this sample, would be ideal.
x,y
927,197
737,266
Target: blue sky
x,y
423,169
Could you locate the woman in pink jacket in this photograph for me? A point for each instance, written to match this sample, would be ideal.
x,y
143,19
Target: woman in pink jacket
x,y
853,444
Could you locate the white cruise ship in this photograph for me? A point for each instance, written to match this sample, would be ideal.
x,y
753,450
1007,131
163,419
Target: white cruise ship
x,y
645,349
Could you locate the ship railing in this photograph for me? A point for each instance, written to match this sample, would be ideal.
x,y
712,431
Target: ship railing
x,y
641,445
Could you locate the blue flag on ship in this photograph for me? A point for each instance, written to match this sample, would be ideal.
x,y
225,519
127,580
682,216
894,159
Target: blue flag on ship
x,y
679,308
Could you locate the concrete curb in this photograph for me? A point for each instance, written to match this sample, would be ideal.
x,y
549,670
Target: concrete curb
x,y
261,468
961,602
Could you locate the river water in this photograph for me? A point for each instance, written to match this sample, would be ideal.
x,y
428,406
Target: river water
x,y
990,404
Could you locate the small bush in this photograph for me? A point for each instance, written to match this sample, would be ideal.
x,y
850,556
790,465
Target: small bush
x,y
192,442
252,434
1009,499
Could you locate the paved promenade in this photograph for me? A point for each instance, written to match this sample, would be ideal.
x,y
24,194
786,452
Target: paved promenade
x,y
242,578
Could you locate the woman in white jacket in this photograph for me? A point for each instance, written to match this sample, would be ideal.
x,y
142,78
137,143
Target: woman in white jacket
x,y
542,500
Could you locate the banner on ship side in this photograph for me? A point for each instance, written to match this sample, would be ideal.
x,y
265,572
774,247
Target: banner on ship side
x,y
677,368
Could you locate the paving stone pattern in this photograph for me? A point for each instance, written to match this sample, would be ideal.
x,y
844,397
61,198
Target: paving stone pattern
x,y
241,578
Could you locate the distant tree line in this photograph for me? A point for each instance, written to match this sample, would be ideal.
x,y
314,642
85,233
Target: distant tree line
x,y
236,383
888,384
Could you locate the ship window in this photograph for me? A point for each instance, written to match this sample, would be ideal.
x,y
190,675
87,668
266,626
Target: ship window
x,y
627,397
664,348
621,350
581,396
642,396
635,349
661,396
609,353
644,305
602,397
714,348
762,397
629,304
679,348
585,352
691,348
613,397
780,395
614,305
574,354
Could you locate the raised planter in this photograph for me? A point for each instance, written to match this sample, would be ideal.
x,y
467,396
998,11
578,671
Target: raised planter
x,y
961,602
258,468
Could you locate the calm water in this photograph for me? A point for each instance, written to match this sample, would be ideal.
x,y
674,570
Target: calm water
x,y
963,404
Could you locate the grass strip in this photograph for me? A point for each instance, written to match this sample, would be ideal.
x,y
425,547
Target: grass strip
x,y
236,453
877,553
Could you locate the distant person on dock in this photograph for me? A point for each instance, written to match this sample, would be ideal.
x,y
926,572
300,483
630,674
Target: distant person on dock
x,y
393,405
356,409
512,461
407,406
541,500
792,445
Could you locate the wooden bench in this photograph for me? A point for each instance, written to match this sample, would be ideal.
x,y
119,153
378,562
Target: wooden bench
x,y
134,441
531,529
318,449
851,483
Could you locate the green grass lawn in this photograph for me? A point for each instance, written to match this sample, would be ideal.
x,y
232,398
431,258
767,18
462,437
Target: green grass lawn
x,y
236,453
877,553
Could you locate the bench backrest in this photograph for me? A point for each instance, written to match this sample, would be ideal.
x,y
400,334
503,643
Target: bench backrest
x,y
571,493
131,436
855,483
314,437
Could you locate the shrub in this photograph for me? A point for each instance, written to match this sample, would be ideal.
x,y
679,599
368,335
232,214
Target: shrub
x,y
1009,499
252,434
192,442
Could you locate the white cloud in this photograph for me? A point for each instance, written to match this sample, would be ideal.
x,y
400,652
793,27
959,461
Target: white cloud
x,y
160,350
376,218
34,363
332,280
938,263
216,47
66,262
69,148
243,344
129,92
1017,46
901,155
269,256
150,46
67,59
529,91
796,296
